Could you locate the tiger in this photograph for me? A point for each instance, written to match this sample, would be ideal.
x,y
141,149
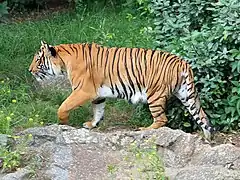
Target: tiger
x,y
137,75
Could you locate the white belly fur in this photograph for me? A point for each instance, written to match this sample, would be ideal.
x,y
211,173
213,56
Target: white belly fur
x,y
106,92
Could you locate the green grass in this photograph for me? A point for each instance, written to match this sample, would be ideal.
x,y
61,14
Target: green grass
x,y
23,104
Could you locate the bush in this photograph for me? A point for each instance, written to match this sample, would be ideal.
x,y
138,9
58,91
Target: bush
x,y
3,9
206,34
26,5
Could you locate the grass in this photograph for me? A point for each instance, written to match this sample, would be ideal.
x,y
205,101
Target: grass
x,y
140,162
23,104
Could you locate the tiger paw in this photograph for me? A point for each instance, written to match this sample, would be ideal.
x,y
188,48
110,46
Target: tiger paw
x,y
143,128
88,125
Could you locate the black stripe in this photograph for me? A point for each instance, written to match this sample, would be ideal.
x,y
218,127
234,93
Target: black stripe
x,y
70,46
110,77
155,73
177,81
50,67
193,106
98,50
155,111
114,56
65,50
195,113
84,59
138,73
145,59
164,66
151,58
141,72
154,100
131,88
190,96
189,88
159,114
155,106
102,56
120,79
133,71
99,101
90,50
119,94
76,51
61,60
155,90
77,85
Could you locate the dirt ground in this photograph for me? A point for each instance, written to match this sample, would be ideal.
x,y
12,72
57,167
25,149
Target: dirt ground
x,y
232,138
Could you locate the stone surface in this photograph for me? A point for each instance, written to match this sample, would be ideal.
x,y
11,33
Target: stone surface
x,y
21,174
3,140
70,153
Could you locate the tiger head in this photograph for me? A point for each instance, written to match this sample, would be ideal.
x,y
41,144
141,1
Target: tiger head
x,y
46,63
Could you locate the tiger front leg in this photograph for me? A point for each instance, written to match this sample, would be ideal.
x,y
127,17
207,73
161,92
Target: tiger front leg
x,y
98,113
76,99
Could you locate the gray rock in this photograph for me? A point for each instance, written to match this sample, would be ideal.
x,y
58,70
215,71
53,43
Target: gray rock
x,y
222,155
70,153
203,173
21,174
3,140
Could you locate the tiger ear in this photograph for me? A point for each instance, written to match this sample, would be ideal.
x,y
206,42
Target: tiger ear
x,y
49,48
43,43
52,50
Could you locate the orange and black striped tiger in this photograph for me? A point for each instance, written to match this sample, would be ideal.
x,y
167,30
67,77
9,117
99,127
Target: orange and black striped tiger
x,y
134,74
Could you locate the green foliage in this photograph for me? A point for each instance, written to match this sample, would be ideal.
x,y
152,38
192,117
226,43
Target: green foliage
x,y
34,106
206,34
11,159
147,161
180,19
143,162
3,9
143,7
232,109
13,155
5,123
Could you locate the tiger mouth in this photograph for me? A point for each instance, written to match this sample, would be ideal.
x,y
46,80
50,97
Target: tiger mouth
x,y
44,76
41,76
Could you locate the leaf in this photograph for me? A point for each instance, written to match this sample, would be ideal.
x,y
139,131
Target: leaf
x,y
234,89
233,110
186,124
238,107
234,98
238,67
235,83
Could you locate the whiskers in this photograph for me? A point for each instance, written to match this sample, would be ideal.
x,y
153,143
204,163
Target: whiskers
x,y
46,76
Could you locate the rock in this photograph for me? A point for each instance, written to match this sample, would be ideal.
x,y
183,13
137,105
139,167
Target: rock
x,y
21,174
70,153
3,140
203,173
221,155
42,135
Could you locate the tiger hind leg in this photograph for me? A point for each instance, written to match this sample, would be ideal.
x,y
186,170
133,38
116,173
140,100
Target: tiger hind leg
x,y
98,113
157,108
189,98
